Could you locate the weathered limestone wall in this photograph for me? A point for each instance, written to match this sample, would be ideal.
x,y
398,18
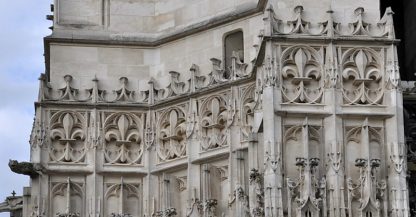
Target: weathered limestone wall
x,y
109,63
149,19
139,16
311,128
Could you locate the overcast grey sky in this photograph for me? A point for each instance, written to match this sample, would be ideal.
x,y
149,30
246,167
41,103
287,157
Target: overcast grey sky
x,y
22,27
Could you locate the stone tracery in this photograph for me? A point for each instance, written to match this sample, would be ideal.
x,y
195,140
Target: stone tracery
x,y
290,118
171,135
124,139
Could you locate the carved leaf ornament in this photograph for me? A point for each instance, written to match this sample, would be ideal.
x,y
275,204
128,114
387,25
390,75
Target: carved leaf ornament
x,y
214,123
301,75
362,79
123,138
67,137
172,135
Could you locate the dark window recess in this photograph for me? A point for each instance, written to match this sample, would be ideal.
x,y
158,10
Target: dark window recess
x,y
405,26
233,43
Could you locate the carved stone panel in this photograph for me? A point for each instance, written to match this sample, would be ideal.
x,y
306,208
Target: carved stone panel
x,y
302,78
67,136
122,198
171,134
123,133
249,103
215,117
306,189
362,77
215,191
68,198
365,169
172,200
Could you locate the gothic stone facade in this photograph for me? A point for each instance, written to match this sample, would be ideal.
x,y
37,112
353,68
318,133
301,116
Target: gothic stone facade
x,y
219,108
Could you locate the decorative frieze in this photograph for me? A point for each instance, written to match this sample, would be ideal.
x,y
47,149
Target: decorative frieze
x,y
358,27
308,128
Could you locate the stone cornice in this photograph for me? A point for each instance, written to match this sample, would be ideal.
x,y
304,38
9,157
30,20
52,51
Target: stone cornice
x,y
146,106
162,39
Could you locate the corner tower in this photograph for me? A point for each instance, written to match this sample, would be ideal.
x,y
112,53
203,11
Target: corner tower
x,y
219,108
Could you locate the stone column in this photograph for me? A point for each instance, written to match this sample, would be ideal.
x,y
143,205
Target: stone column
x,y
333,136
273,205
395,146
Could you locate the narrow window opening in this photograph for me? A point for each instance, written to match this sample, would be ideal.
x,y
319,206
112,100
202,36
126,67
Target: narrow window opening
x,y
233,45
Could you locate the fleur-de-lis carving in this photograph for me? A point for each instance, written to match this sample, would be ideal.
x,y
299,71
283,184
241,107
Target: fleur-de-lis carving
x,y
67,137
172,135
301,74
123,139
362,80
213,123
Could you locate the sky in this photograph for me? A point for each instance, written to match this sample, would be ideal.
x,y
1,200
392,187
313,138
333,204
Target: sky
x,y
22,28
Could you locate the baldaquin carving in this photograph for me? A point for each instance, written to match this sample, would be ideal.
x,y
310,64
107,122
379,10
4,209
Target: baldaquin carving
x,y
366,189
71,194
362,79
301,75
306,194
67,136
171,134
122,199
123,134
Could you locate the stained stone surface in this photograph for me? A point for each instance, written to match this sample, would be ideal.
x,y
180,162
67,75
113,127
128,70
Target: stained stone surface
x,y
137,115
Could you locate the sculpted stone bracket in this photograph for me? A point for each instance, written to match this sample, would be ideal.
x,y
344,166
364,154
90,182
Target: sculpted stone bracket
x,y
368,191
307,191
